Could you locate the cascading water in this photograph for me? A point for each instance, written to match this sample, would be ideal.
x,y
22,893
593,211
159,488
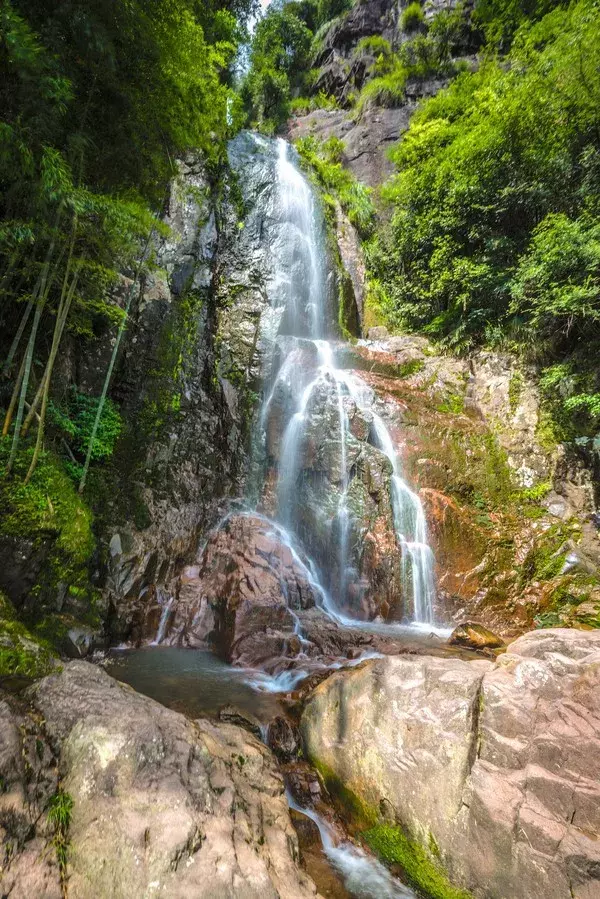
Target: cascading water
x,y
363,875
300,283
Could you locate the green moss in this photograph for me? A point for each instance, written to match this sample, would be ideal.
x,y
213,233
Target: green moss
x,y
354,808
392,846
47,511
21,653
347,314
515,389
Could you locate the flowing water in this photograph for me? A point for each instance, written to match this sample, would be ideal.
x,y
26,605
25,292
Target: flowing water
x,y
362,875
301,329
301,280
194,682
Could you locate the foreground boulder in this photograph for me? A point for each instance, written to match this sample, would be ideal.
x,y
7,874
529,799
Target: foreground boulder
x,y
492,769
161,805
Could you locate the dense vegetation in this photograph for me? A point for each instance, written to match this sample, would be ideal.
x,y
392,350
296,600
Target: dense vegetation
x,y
97,101
494,233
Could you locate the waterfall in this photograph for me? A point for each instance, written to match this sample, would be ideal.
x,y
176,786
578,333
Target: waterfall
x,y
300,285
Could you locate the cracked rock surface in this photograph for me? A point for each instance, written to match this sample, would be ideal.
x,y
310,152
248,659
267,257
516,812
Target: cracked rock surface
x,y
498,765
164,806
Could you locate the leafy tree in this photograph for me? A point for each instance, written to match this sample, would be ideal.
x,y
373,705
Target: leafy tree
x,y
278,62
97,99
494,210
501,18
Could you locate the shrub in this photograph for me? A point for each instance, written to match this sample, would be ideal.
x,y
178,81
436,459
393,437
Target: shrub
x,y
304,105
324,160
493,229
385,90
412,17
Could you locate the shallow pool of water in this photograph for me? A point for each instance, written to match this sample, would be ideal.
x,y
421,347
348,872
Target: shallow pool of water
x,y
192,681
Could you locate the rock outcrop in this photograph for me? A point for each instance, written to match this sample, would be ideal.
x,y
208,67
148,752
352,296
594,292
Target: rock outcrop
x,y
160,805
182,449
245,594
493,768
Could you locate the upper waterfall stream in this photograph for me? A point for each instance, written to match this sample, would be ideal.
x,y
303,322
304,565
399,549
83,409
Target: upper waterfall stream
x,y
318,395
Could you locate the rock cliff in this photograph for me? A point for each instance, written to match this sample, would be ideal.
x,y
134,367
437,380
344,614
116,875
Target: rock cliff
x,y
493,768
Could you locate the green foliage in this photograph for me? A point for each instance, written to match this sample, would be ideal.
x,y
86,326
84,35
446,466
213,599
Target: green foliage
x,y
536,493
278,61
74,419
375,45
494,209
385,90
423,55
328,10
324,159
392,845
499,19
97,99
304,105
59,813
412,17
557,284
139,83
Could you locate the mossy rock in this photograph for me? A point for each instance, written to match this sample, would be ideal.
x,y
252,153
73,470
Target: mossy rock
x,y
49,517
21,653
352,358
350,804
393,847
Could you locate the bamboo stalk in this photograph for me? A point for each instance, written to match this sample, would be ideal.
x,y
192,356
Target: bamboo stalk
x,y
13,400
58,328
112,362
60,323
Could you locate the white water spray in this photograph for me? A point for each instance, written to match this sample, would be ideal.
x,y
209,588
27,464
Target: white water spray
x,y
301,274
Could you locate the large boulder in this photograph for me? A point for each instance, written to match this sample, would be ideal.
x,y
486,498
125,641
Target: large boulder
x,y
245,594
492,769
161,805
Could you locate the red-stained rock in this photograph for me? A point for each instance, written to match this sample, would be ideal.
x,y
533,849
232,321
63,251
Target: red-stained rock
x,y
248,587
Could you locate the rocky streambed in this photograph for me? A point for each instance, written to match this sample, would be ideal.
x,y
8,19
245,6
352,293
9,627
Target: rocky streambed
x,y
301,683
479,773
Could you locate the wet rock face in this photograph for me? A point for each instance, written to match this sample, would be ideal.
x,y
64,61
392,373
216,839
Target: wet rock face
x,y
182,449
247,590
496,765
334,492
466,433
160,804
